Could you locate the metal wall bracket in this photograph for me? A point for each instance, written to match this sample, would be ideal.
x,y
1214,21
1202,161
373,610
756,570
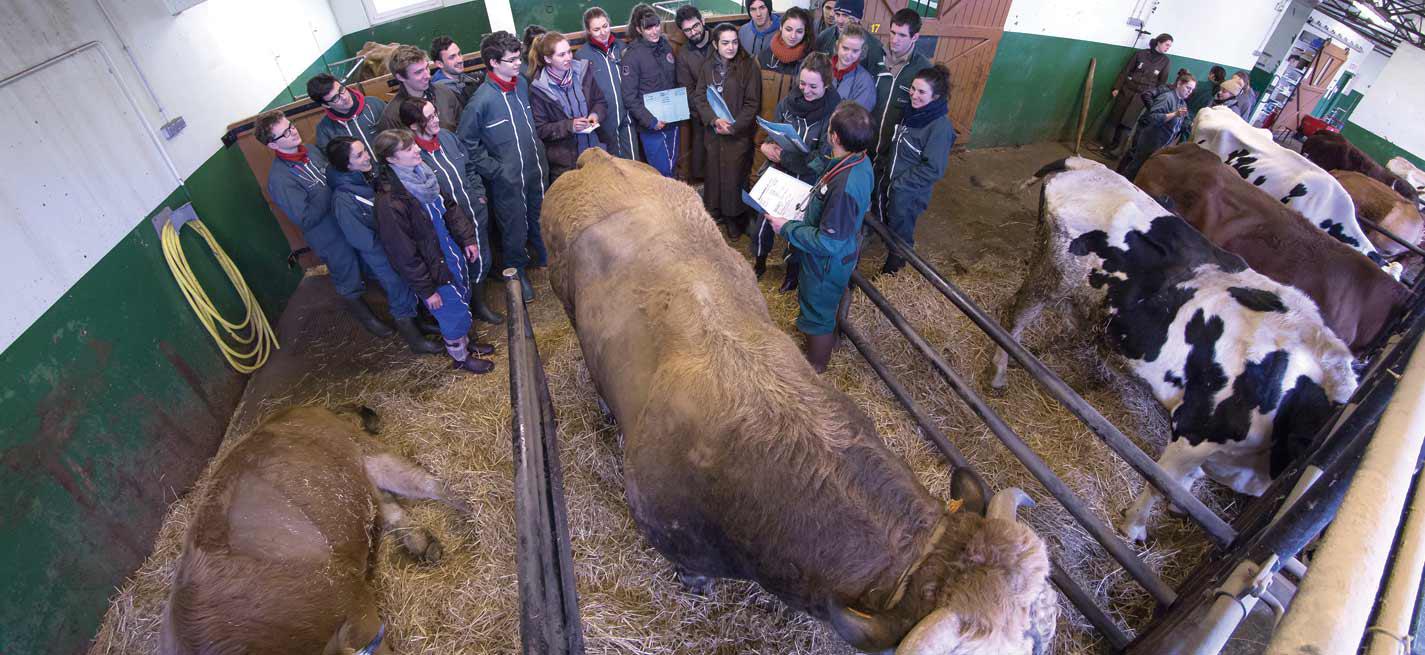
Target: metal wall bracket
x,y
177,217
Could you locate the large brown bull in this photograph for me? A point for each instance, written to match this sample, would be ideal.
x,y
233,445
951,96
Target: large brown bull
x,y
741,462
279,556
1356,298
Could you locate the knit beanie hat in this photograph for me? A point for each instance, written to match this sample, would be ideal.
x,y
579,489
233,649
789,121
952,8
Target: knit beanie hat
x,y
854,8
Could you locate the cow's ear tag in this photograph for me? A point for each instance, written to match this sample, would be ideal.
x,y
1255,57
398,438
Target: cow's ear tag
x,y
954,505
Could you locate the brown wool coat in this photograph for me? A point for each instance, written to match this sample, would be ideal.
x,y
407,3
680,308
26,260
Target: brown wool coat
x,y
729,157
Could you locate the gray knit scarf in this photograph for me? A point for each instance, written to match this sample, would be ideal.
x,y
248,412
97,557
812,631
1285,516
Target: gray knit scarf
x,y
419,180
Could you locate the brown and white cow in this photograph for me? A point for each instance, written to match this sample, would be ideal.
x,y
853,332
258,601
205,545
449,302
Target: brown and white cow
x,y
1333,152
1408,172
1243,365
1357,299
279,555
741,462
1377,203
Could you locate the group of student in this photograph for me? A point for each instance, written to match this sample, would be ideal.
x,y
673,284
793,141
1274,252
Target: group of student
x,y
411,191
1157,113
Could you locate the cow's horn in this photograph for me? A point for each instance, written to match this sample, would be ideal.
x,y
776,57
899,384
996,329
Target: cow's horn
x,y
938,632
1006,503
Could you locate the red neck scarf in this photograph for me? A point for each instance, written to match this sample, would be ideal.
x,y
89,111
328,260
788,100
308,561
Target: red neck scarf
x,y
299,157
429,145
840,72
358,103
505,85
787,54
603,45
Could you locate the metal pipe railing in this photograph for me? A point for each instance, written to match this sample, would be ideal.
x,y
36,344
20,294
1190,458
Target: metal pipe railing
x,y
1051,482
1106,627
1372,225
1218,530
549,604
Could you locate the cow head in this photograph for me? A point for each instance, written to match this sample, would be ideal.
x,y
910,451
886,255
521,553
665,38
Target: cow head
x,y
923,619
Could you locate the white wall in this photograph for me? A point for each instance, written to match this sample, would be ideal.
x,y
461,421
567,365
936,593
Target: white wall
x,y
1368,72
213,64
1278,45
351,14
1221,31
1391,109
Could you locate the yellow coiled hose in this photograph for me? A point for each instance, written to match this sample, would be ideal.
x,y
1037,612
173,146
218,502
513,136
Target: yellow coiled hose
x,y
247,344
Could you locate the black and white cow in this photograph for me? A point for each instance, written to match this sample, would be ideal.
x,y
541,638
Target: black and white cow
x,y
1284,175
1244,365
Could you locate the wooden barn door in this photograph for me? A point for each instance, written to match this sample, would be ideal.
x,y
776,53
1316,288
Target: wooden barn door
x,y
1314,84
966,34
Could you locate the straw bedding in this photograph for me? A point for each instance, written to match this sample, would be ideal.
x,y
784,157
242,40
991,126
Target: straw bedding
x,y
459,427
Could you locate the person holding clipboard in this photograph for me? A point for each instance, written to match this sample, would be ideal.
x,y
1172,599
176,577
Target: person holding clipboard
x,y
732,75
828,234
807,111
648,69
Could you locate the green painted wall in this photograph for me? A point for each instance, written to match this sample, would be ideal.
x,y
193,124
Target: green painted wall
x,y
466,23
1377,147
298,88
1035,88
112,402
569,16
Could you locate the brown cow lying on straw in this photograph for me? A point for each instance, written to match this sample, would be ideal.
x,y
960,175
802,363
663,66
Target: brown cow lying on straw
x,y
278,558
741,462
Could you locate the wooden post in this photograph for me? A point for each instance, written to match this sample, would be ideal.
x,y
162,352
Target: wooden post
x,y
1084,112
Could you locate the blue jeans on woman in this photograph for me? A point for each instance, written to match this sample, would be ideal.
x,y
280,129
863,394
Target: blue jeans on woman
x,y
660,148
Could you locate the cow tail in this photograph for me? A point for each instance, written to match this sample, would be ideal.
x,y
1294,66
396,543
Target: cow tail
x,y
1065,164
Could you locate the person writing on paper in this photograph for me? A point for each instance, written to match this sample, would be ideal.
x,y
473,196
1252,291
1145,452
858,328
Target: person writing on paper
x,y
564,101
828,235
732,74
648,68
808,112
918,154
853,81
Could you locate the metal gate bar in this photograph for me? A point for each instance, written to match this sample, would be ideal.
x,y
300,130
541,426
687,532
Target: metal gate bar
x,y
1218,530
1095,526
1106,627
549,604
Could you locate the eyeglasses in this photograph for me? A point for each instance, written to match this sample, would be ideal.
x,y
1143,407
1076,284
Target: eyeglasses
x,y
291,129
340,93
511,61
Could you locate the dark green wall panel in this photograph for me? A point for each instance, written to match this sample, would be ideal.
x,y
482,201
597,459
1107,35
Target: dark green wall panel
x,y
112,402
1378,148
569,16
1035,88
467,23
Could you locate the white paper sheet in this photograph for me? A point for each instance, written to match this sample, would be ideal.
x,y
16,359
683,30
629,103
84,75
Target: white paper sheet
x,y
668,106
780,194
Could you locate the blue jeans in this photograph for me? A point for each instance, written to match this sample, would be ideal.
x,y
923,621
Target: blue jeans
x,y
660,148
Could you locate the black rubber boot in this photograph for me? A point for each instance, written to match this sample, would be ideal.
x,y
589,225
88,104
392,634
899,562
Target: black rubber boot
x,y
526,289
794,272
481,349
761,266
819,349
894,264
474,365
482,311
411,333
359,311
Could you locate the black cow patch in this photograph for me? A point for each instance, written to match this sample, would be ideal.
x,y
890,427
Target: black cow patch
x,y
1241,161
1304,409
1257,300
1257,388
1261,179
1296,192
1147,294
1173,379
1338,232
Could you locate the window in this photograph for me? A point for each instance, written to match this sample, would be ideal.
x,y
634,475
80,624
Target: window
x,y
381,11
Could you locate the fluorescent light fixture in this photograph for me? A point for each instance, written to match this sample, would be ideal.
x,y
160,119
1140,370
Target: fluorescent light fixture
x,y
1373,13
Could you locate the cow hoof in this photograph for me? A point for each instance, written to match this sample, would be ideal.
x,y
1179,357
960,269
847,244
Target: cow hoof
x,y
1133,532
994,390
698,585
1176,512
422,546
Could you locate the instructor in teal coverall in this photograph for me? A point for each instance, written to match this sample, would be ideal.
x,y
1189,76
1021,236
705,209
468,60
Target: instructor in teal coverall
x,y
828,235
